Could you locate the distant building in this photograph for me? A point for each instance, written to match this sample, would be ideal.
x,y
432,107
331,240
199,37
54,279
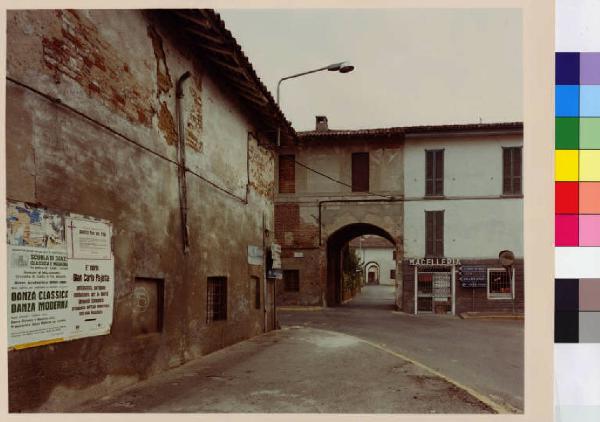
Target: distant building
x,y
378,258
449,198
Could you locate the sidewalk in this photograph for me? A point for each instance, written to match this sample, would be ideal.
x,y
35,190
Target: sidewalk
x,y
294,370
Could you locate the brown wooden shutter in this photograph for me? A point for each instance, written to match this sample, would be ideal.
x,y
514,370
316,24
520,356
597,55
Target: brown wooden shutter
x,y
360,172
517,170
429,158
287,174
439,233
506,170
429,233
439,172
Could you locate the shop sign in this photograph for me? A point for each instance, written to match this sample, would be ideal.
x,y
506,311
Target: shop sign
x,y
434,261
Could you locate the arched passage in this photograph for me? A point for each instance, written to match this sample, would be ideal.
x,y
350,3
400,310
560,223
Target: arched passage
x,y
335,244
373,267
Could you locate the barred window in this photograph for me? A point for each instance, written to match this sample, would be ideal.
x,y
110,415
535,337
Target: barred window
x,y
498,284
216,299
434,172
511,165
291,280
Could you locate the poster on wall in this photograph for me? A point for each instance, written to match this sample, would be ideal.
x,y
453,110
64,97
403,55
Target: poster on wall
x,y
60,276
91,272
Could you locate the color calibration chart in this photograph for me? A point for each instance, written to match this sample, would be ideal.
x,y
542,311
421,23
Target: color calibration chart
x,y
577,211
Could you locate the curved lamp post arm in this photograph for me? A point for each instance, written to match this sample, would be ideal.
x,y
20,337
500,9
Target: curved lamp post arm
x,y
342,67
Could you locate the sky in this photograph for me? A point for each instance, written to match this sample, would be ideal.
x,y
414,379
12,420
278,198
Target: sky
x,y
412,66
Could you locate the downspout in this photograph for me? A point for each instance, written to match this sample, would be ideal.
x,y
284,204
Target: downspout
x,y
181,168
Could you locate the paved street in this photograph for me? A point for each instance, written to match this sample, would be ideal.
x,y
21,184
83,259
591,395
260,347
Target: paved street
x,y
486,355
302,370
312,366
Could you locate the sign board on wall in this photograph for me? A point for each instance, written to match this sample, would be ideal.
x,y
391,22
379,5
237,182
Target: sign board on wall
x,y
276,255
60,276
473,276
255,255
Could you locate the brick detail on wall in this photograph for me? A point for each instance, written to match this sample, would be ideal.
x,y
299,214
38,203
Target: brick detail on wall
x,y
290,231
80,53
287,174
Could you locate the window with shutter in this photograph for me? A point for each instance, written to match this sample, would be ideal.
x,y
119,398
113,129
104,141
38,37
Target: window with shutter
x,y
512,171
434,172
434,233
360,172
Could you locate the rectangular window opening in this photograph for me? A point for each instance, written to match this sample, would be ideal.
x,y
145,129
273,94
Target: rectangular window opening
x,y
255,282
434,172
291,280
498,284
216,299
287,174
148,305
512,171
360,172
434,233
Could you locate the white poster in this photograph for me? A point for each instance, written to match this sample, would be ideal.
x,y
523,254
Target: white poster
x,y
87,239
60,276
38,295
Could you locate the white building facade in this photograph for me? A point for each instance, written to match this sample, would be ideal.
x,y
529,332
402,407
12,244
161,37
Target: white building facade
x,y
463,205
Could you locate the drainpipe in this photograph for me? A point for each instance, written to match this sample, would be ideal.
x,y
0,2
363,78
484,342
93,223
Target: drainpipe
x,y
181,168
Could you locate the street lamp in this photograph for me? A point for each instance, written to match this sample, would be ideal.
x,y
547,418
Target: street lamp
x,y
342,67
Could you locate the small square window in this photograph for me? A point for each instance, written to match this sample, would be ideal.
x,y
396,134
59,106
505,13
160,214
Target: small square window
x,y
393,274
499,286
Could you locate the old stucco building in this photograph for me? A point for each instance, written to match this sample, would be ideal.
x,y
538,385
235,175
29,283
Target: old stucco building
x,y
101,114
334,186
451,195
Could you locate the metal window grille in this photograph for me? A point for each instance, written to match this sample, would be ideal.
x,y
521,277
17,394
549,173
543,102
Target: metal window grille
x,y
434,233
434,172
434,288
291,280
360,172
499,285
512,171
216,299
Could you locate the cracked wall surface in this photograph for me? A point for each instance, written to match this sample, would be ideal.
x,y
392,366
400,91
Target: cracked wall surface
x,y
92,129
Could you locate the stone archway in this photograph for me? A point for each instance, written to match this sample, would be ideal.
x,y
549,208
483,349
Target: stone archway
x,y
335,244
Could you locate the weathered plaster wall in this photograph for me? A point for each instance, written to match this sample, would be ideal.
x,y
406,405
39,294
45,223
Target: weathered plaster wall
x,y
91,128
334,159
320,207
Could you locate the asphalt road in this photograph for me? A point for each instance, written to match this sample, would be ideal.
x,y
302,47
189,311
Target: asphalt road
x,y
485,355
294,370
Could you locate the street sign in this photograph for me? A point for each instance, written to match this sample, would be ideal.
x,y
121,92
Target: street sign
x,y
473,276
